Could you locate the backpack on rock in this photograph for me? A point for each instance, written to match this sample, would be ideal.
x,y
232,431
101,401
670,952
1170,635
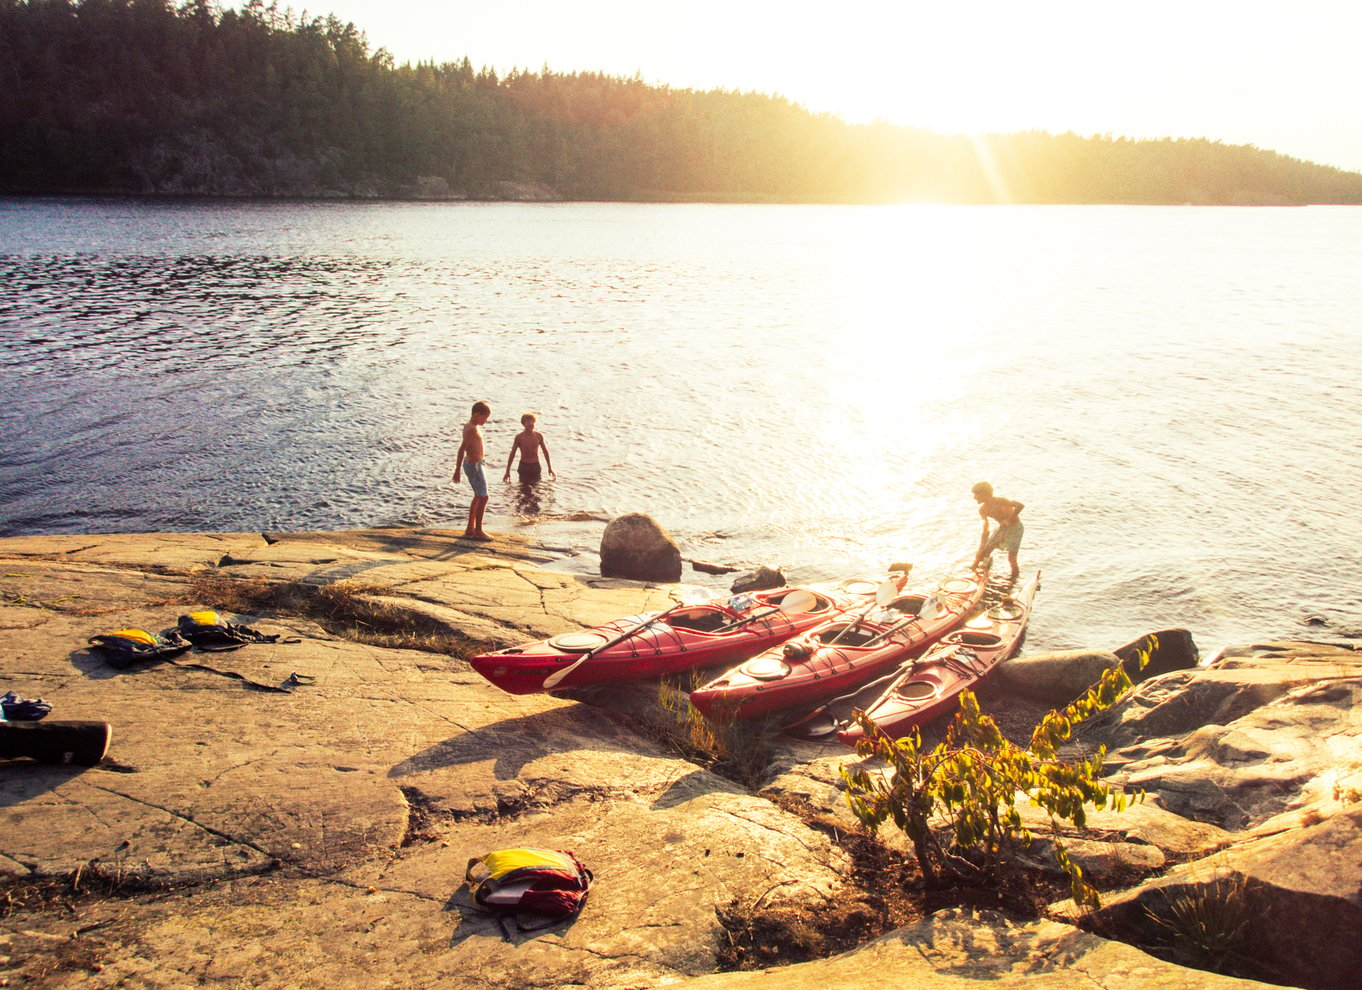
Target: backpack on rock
x,y
548,882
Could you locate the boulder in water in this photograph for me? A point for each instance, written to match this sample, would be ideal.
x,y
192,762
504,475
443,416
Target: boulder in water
x,y
1173,649
635,546
759,580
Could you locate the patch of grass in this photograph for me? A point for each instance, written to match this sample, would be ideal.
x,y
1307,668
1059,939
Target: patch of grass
x,y
20,600
342,609
1208,925
51,939
92,880
740,751
27,895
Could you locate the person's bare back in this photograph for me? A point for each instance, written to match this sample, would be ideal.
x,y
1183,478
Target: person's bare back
x,y
1002,509
1008,533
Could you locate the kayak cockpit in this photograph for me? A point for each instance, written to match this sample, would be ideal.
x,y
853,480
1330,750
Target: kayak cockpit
x,y
700,620
969,637
845,634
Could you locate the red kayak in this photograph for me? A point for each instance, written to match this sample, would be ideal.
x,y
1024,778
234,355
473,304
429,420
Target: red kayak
x,y
929,686
841,653
685,637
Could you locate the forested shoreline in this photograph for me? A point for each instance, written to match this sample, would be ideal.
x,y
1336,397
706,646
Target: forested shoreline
x,y
147,97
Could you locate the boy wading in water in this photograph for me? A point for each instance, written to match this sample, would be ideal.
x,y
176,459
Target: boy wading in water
x,y
471,461
1007,534
529,442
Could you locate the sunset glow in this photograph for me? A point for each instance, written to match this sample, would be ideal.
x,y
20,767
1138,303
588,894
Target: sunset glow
x,y
1239,73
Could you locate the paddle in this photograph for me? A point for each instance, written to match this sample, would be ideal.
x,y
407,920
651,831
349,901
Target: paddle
x,y
557,676
798,600
795,601
884,594
931,608
803,728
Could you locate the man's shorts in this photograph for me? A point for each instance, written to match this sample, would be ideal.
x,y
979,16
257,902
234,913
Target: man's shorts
x,y
1005,538
476,478
530,473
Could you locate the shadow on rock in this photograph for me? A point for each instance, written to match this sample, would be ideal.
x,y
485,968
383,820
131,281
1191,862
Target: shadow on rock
x,y
698,783
92,664
23,780
514,742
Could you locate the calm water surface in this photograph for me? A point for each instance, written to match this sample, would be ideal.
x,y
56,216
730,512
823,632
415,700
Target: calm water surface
x,y
1174,393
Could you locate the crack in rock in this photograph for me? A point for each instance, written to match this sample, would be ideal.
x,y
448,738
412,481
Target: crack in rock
x,y
772,828
185,818
426,813
369,888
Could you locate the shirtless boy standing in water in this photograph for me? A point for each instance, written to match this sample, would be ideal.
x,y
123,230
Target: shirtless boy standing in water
x,y
470,461
529,442
1008,533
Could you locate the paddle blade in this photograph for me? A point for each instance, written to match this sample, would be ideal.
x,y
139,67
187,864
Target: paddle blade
x,y
816,725
556,678
799,600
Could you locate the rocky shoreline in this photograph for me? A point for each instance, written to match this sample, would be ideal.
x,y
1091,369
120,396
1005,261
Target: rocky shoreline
x,y
257,830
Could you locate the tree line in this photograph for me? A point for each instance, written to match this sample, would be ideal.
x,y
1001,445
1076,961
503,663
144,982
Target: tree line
x,y
147,96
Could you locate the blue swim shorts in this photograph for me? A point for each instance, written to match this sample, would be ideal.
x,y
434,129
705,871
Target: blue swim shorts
x,y
476,478
1005,538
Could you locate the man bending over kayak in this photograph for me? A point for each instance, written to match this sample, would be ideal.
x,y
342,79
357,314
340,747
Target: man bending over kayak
x,y
1007,534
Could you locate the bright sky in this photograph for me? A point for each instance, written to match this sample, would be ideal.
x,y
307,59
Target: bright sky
x,y
1285,76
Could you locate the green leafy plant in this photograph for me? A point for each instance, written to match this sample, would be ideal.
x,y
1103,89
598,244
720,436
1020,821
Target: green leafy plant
x,y
966,788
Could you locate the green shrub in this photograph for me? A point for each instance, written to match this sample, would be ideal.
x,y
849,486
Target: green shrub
x,y
969,785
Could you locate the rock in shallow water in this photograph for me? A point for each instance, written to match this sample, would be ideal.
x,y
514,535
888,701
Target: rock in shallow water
x,y
758,580
635,546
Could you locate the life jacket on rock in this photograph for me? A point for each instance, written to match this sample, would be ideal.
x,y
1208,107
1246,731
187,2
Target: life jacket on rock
x,y
548,882
208,631
125,647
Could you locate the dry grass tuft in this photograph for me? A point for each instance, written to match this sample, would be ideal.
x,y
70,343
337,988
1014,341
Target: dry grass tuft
x,y
342,609
740,751
1208,925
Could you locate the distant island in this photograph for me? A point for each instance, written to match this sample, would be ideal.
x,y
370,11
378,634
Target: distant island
x,y
146,98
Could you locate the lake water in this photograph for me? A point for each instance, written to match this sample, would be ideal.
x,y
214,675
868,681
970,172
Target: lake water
x,y
1173,392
